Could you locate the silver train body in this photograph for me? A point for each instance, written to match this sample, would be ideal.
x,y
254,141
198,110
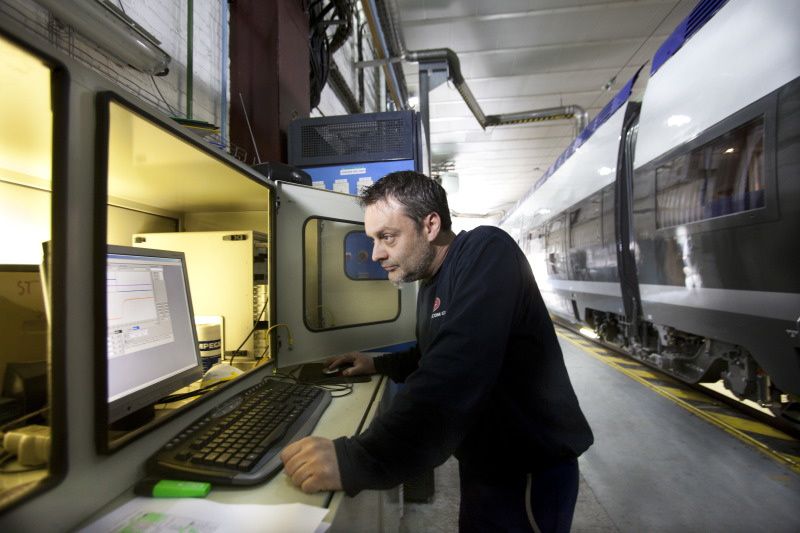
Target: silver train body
x,y
670,226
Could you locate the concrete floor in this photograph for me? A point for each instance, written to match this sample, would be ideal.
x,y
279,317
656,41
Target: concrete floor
x,y
654,467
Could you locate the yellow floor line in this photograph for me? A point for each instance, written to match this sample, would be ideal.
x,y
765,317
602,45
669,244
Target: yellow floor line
x,y
609,355
687,394
731,430
613,358
753,426
642,373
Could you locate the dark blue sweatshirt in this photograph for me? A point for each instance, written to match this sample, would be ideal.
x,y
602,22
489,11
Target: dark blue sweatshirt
x,y
486,381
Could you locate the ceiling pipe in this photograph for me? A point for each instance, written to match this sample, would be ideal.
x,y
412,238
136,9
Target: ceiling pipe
x,y
387,18
453,74
394,76
397,44
575,112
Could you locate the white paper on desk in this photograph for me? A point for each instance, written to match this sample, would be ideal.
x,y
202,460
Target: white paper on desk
x,y
154,515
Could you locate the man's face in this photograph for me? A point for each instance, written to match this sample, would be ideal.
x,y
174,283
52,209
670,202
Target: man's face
x,y
399,245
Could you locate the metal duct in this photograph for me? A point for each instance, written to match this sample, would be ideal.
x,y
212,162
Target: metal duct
x,y
391,29
454,74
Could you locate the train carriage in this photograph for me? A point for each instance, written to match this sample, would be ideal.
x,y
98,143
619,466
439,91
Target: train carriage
x,y
676,238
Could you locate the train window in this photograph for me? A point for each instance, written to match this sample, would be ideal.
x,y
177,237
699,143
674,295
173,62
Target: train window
x,y
340,286
556,256
584,236
584,223
722,177
609,234
30,417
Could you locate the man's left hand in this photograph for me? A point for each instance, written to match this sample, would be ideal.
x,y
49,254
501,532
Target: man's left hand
x,y
311,465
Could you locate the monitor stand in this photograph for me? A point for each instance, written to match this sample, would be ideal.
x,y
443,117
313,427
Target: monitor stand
x,y
135,420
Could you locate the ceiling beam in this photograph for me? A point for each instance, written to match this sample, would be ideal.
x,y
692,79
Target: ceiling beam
x,y
627,4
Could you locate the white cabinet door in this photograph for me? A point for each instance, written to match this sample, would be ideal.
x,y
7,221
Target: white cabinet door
x,y
326,285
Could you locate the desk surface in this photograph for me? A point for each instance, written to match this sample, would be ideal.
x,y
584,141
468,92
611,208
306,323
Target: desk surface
x,y
346,415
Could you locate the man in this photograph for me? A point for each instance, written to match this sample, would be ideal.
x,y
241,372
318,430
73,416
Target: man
x,y
486,380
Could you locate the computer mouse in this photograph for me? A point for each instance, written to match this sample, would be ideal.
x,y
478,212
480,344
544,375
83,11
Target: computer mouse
x,y
329,371
218,373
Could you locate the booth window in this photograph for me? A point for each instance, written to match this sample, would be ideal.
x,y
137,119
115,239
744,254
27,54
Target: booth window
x,y
186,231
343,287
28,419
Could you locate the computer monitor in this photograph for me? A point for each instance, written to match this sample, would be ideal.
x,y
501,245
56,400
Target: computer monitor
x,y
152,343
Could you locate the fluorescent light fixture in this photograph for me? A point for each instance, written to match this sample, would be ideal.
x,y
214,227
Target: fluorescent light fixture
x,y
112,30
543,211
678,120
588,332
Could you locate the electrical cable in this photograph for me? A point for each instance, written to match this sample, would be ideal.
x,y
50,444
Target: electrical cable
x,y
320,46
255,327
172,111
614,77
184,395
344,388
266,334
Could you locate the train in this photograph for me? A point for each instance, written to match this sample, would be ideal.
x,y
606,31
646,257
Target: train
x,y
668,226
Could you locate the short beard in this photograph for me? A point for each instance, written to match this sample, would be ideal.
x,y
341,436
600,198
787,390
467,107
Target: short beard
x,y
419,269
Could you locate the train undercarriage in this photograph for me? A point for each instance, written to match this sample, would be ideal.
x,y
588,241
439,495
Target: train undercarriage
x,y
696,360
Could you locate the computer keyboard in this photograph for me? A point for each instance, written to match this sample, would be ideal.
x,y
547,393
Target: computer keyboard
x,y
239,443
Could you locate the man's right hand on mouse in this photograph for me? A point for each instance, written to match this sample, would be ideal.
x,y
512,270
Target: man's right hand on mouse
x,y
359,364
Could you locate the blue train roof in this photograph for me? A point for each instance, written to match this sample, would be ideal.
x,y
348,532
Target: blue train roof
x,y
701,14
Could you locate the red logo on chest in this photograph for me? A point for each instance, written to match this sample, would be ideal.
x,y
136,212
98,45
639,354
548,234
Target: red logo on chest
x,y
436,304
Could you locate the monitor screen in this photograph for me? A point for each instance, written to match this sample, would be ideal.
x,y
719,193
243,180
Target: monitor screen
x,y
152,343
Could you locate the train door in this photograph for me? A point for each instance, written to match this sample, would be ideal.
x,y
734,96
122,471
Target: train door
x,y
332,297
623,220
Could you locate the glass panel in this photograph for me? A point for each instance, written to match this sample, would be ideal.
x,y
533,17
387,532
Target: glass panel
x,y
605,258
169,194
585,238
585,223
723,177
25,213
341,289
556,256
609,229
358,263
